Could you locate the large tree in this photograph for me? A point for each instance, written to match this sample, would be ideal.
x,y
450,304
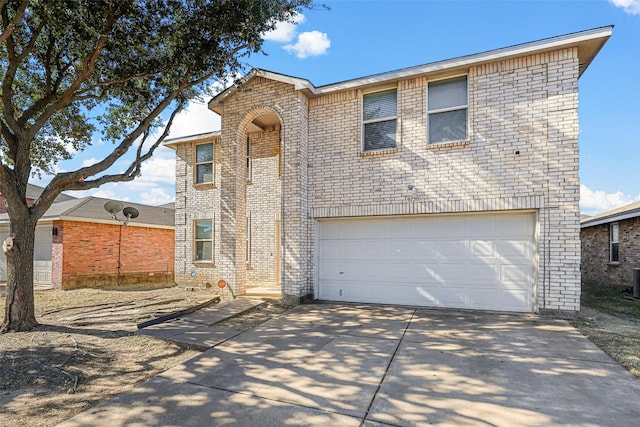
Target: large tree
x,y
72,69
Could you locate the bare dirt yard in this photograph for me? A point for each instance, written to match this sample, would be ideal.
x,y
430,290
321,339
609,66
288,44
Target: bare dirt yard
x,y
611,320
86,351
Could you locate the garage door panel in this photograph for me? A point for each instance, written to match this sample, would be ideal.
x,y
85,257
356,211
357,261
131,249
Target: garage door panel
x,y
451,227
514,274
513,225
351,249
484,249
514,250
480,227
461,261
453,249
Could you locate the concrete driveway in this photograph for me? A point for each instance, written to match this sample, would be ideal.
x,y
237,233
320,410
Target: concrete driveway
x,y
361,365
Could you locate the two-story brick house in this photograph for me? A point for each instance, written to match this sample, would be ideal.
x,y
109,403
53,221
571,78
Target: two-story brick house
x,y
450,184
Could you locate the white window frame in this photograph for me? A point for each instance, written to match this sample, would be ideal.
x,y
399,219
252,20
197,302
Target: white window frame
x,y
448,109
196,240
378,120
614,239
198,164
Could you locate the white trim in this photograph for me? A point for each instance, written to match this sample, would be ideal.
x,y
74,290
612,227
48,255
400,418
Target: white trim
x,y
525,49
99,221
474,59
612,242
196,163
379,120
200,138
448,109
608,219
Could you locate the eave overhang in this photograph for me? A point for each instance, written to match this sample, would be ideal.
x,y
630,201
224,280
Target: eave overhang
x,y
587,42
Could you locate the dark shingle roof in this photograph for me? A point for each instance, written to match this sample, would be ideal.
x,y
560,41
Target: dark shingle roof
x,y
631,210
91,209
34,191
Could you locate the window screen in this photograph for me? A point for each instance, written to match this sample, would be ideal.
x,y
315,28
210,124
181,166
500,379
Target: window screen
x,y
614,253
447,106
379,111
203,240
204,163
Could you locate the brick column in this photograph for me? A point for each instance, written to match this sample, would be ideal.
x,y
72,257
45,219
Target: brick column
x,y
233,208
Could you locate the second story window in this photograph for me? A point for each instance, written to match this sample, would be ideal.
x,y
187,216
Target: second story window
x,y
204,163
379,119
447,108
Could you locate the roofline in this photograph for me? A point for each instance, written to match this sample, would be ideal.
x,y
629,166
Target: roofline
x,y
611,218
94,221
544,45
173,142
297,82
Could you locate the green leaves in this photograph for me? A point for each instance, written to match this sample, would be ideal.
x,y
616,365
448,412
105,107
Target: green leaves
x,y
73,70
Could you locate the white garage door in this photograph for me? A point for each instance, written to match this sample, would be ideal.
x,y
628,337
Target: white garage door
x,y
459,261
42,256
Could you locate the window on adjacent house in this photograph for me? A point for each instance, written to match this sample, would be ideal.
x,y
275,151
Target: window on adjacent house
x,y
379,117
447,110
204,163
614,249
203,240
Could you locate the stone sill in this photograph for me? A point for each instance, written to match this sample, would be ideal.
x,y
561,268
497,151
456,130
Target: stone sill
x,y
205,186
378,152
204,264
452,144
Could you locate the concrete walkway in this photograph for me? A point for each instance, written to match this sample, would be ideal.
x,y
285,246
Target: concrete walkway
x,y
347,365
195,329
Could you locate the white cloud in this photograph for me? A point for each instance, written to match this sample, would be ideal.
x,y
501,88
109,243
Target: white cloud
x,y
311,43
160,168
195,119
156,196
593,202
107,191
632,7
284,31
89,162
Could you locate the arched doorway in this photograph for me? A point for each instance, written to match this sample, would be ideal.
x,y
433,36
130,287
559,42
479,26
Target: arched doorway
x,y
263,169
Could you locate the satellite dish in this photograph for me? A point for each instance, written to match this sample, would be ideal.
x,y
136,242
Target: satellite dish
x,y
113,207
130,212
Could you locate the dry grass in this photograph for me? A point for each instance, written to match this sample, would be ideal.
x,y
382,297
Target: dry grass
x,y
612,322
84,351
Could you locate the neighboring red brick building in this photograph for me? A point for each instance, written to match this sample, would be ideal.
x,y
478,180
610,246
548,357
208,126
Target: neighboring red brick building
x,y
78,244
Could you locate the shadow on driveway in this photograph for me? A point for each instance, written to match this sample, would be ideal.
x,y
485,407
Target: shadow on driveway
x,y
363,365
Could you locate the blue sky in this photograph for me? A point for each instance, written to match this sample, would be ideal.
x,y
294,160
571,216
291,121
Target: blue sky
x,y
357,38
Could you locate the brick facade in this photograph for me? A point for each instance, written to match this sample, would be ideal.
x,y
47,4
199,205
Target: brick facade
x,y
85,254
521,153
595,266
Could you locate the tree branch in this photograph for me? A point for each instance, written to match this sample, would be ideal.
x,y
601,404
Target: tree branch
x,y
88,68
10,26
32,42
134,168
9,75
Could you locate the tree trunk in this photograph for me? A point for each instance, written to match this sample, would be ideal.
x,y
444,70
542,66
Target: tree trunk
x,y
19,314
